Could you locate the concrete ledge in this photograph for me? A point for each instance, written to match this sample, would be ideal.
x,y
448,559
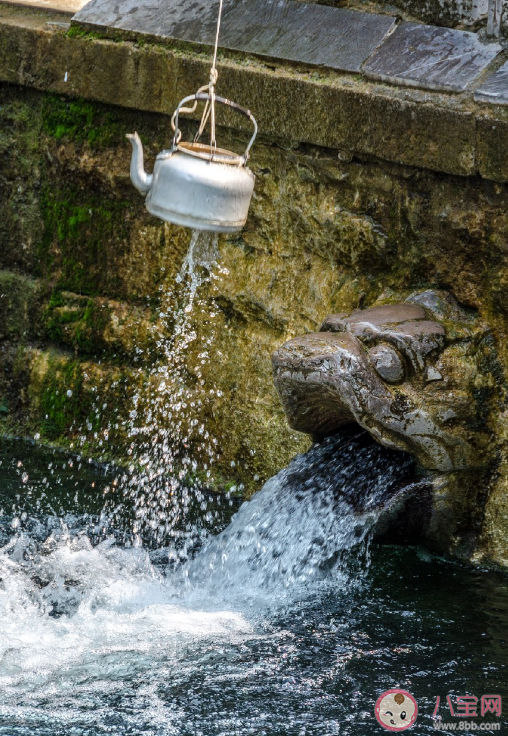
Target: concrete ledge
x,y
425,129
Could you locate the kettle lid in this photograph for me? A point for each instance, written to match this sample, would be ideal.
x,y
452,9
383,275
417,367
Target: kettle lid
x,y
211,153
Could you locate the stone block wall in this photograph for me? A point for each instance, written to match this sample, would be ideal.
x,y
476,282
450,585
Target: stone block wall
x,y
85,271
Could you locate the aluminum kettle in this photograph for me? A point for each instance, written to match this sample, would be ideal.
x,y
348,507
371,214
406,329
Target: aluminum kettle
x,y
195,184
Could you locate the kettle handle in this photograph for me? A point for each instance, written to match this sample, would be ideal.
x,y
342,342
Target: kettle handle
x,y
205,97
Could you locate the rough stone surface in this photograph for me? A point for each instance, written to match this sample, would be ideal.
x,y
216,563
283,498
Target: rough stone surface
x,y
361,220
387,314
337,38
322,232
490,154
451,14
433,58
330,379
403,126
387,363
309,370
495,88
20,301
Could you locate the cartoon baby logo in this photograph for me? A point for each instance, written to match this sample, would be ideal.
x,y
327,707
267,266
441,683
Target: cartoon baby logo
x,y
396,710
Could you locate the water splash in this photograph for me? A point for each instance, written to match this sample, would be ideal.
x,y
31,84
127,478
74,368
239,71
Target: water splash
x,y
162,415
76,613
293,534
89,624
172,451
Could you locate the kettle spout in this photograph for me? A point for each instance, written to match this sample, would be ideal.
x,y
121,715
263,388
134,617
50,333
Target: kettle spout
x,y
141,180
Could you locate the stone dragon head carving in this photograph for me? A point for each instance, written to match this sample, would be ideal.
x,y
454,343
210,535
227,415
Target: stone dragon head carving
x,y
419,376
416,375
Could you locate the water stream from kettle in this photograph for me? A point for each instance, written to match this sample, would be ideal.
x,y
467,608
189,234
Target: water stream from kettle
x,y
171,444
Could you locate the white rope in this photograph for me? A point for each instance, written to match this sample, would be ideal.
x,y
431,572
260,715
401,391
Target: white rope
x,y
213,71
209,111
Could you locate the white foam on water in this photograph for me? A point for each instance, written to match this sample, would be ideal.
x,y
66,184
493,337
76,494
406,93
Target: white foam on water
x,y
93,633
116,613
65,604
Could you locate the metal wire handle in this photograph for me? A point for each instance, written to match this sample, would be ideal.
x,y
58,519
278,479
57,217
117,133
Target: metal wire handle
x,y
201,96
207,94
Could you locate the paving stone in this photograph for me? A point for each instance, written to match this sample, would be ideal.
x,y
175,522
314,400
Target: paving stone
x,y
337,38
360,119
417,55
495,88
62,6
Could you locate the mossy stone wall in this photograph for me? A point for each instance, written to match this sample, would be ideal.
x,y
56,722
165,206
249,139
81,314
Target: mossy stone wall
x,y
83,267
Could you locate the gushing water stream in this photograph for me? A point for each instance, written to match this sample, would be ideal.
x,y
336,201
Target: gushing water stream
x,y
283,622
79,617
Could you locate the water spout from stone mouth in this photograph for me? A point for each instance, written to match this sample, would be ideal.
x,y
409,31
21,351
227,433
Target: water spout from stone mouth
x,y
423,400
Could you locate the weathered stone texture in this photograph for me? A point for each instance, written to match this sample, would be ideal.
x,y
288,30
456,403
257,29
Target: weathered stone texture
x,y
83,266
430,57
322,108
337,38
323,235
420,375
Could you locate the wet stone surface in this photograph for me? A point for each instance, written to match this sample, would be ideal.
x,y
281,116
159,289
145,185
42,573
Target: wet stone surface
x,y
495,88
325,380
433,58
407,375
337,38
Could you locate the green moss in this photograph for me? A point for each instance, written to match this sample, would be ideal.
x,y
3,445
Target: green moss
x,y
62,401
84,231
89,329
80,121
79,325
76,32
55,319
20,166
80,222
19,298
104,35
56,300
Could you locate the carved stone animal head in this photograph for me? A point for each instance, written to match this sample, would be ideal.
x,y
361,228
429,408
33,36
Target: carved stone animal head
x,y
417,375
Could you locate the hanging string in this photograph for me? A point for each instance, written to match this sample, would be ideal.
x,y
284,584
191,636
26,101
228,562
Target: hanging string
x,y
207,94
209,111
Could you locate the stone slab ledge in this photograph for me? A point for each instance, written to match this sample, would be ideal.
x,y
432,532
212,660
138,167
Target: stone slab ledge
x,y
451,133
343,39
